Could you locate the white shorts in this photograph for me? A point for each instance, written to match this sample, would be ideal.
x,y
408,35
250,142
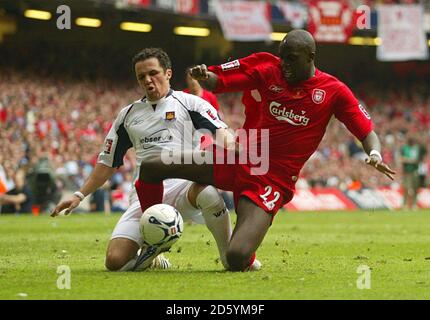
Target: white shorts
x,y
175,194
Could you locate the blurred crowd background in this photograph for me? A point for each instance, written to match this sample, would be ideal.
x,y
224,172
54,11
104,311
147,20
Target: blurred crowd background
x,y
54,129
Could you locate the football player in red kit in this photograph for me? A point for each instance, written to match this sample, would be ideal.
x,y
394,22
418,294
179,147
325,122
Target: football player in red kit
x,y
297,103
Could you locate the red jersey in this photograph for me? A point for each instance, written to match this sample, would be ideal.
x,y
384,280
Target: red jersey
x,y
209,97
296,115
252,101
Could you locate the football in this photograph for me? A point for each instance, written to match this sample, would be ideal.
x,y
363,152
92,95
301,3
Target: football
x,y
161,225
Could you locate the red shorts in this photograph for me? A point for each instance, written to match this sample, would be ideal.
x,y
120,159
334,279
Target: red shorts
x,y
260,189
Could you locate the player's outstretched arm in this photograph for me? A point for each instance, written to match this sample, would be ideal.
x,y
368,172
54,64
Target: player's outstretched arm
x,y
372,146
207,79
96,179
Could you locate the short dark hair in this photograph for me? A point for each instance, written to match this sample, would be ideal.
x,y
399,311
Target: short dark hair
x,y
158,53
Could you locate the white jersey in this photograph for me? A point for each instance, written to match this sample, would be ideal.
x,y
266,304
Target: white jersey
x,y
170,123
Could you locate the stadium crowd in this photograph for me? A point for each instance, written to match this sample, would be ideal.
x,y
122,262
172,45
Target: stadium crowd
x,y
57,127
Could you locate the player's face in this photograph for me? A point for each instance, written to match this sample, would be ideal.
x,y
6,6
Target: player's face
x,y
296,64
152,78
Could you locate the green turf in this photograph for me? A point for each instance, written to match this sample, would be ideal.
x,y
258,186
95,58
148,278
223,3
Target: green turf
x,y
304,256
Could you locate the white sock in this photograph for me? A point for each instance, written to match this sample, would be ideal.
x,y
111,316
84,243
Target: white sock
x,y
217,219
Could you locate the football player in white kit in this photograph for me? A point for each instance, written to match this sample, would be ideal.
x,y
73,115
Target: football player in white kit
x,y
154,124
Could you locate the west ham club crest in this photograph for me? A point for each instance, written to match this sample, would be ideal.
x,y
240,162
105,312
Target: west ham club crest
x,y
170,116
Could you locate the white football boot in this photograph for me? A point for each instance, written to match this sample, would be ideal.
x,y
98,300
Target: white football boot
x,y
255,266
160,262
147,258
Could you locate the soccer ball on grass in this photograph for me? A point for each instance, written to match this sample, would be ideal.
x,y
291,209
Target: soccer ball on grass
x,y
161,225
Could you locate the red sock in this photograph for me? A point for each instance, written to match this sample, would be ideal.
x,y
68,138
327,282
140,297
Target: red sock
x,y
149,193
250,262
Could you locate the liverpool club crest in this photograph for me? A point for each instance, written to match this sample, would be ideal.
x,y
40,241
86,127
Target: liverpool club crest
x,y
318,96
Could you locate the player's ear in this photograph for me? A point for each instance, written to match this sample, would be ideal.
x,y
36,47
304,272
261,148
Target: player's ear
x,y
169,74
311,56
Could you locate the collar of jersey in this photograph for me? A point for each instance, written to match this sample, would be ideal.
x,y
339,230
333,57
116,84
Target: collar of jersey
x,y
156,102
308,82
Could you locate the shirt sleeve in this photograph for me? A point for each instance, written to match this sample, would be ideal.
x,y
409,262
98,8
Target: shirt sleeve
x,y
351,113
116,143
243,74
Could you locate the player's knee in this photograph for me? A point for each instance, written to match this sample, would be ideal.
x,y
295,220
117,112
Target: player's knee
x,y
238,259
209,200
115,261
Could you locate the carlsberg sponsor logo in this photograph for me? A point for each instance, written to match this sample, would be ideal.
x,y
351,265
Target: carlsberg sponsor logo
x,y
283,114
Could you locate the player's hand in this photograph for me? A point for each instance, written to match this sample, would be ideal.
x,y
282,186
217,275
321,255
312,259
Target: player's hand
x,y
199,72
67,205
377,163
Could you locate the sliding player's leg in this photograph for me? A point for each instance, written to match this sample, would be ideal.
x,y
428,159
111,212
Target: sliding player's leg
x,y
199,203
123,249
121,253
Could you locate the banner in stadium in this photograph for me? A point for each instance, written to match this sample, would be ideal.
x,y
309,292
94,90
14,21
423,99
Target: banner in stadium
x,y
395,197
180,6
427,22
244,20
368,199
142,3
3,181
320,199
401,29
331,21
295,13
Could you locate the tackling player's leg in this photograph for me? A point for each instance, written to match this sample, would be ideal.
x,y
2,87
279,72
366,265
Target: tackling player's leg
x,y
251,227
149,186
154,171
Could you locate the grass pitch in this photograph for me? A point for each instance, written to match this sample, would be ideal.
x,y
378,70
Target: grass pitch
x,y
304,256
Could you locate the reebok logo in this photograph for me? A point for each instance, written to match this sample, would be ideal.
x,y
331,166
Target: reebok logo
x,y
276,88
